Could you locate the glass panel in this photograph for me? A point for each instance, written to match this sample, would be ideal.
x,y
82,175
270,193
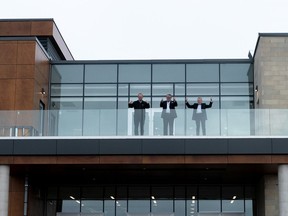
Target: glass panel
x,y
109,207
70,206
236,89
233,199
101,73
145,89
69,193
179,207
237,102
203,89
121,208
162,89
92,206
135,73
92,193
67,103
236,72
202,72
100,122
100,103
67,90
123,89
124,124
180,89
168,73
192,201
67,73
123,102
100,90
139,200
213,118
162,200
209,199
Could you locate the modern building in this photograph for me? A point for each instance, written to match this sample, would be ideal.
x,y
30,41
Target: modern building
x,y
66,134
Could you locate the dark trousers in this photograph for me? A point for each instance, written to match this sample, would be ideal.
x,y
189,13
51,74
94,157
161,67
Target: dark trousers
x,y
139,120
168,121
201,121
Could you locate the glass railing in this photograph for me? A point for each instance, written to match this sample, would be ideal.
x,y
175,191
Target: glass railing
x,y
120,122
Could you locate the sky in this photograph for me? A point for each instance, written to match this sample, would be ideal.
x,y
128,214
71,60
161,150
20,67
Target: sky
x,y
156,29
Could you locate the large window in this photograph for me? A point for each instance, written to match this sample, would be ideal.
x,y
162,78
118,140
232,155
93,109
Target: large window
x,y
99,86
179,200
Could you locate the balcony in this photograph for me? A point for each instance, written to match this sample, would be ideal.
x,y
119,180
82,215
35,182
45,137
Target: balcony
x,y
119,123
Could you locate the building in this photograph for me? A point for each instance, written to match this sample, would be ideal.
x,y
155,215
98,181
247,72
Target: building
x,y
67,147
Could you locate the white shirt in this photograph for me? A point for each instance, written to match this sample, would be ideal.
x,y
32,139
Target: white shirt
x,y
199,110
168,107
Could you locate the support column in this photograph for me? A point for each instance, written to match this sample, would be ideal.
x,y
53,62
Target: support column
x,y
4,189
283,189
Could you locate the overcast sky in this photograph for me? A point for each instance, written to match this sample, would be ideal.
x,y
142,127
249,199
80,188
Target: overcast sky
x,y
156,29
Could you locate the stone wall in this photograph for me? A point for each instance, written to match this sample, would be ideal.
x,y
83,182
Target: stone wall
x,y
271,72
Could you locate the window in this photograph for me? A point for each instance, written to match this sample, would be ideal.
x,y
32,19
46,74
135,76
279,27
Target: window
x,y
67,73
100,73
202,73
236,72
100,90
130,73
168,73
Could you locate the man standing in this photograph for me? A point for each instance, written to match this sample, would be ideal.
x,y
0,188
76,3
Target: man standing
x,y
139,113
199,114
168,113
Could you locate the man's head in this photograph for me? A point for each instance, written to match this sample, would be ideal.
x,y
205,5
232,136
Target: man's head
x,y
168,97
199,100
140,96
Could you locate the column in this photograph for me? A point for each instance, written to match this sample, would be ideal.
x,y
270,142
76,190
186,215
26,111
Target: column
x,y
283,189
4,189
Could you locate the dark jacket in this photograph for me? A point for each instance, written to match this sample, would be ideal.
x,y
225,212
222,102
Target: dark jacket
x,y
202,115
172,106
139,107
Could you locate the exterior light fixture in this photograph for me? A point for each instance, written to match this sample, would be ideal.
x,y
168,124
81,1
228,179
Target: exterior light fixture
x,y
256,88
43,92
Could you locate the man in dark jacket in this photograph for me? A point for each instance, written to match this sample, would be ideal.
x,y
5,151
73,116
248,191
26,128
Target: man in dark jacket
x,y
139,113
199,114
168,113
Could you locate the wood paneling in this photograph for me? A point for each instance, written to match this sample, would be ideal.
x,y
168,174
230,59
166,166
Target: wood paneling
x,y
8,53
163,159
7,71
34,160
280,159
26,53
78,160
7,96
121,160
206,159
24,94
16,196
249,159
43,28
25,71
15,28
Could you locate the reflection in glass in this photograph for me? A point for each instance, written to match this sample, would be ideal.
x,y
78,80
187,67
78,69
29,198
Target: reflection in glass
x,y
121,208
236,89
236,102
209,199
109,207
168,73
202,72
100,122
100,103
67,73
100,90
130,73
179,89
100,73
145,89
67,103
123,89
92,206
162,89
162,200
236,72
70,206
232,199
203,89
67,90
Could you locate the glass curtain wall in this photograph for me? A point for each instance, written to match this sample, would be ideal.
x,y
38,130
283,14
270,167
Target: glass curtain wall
x,y
178,200
89,92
